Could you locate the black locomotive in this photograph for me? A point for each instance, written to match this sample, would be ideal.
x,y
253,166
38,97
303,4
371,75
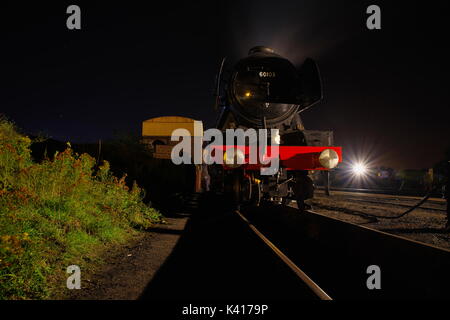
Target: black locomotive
x,y
266,91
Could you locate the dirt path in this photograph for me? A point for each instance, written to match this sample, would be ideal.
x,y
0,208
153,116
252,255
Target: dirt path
x,y
128,269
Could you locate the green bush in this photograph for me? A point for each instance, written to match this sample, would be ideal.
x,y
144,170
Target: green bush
x,y
57,213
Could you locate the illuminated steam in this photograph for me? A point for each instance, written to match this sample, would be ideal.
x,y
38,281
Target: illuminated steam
x,y
295,30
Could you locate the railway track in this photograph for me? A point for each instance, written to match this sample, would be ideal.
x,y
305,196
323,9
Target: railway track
x,y
277,253
318,291
220,258
385,192
432,204
439,206
337,255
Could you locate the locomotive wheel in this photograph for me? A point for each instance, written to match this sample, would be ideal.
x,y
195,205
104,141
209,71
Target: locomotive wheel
x,y
241,190
247,190
236,188
256,196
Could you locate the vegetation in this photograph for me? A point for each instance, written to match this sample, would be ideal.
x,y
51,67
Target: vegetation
x,y
58,212
163,181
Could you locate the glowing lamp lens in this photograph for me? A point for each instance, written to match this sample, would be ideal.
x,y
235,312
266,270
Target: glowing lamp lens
x,y
276,139
359,169
234,158
329,158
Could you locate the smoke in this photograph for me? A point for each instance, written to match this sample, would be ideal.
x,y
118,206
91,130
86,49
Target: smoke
x,y
295,30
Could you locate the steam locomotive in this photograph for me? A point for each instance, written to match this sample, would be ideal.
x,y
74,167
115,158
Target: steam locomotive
x,y
266,91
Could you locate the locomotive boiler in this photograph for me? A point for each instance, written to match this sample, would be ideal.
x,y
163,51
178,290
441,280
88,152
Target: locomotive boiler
x,y
266,91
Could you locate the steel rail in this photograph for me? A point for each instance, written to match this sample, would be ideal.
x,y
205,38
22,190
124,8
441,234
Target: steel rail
x,y
319,292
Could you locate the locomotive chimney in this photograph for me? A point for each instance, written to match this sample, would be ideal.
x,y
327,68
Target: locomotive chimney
x,y
260,49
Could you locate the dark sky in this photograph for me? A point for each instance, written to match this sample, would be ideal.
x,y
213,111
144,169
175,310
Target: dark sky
x,y
386,91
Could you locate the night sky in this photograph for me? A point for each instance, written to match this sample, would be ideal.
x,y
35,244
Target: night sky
x,y
386,92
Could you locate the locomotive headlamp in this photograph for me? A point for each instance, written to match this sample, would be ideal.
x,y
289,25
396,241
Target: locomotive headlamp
x,y
276,139
234,161
329,158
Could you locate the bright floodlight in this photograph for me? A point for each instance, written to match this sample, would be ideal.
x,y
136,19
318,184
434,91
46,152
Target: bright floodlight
x,y
359,169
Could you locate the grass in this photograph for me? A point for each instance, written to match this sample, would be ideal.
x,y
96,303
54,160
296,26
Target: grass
x,y
56,213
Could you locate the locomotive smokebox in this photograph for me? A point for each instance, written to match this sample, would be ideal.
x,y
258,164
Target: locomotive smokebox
x,y
265,89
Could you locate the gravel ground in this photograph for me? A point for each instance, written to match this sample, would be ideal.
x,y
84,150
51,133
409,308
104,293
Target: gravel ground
x,y
423,224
